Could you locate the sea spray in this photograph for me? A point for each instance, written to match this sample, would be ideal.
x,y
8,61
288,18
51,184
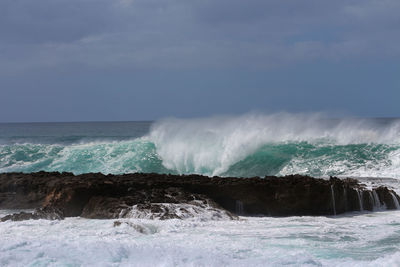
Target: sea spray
x,y
278,144
245,146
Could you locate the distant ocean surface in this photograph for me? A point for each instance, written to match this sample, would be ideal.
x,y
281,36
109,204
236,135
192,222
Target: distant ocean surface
x,y
243,146
248,145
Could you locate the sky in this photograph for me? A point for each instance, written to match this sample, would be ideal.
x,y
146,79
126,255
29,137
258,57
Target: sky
x,y
102,60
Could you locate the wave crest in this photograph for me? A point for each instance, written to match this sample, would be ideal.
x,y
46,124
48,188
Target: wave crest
x,y
248,145
213,145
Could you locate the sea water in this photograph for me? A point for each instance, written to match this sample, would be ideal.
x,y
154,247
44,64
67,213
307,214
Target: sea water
x,y
244,146
357,239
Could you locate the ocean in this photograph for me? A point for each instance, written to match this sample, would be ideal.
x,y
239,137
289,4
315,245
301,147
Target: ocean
x,y
242,146
239,146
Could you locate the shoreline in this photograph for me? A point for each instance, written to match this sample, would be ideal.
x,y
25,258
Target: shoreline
x,y
57,195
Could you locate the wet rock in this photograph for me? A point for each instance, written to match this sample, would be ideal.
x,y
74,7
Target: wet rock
x,y
117,223
160,196
106,208
388,198
194,209
43,213
160,204
143,229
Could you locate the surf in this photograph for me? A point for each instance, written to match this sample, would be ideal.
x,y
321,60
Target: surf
x,y
243,146
278,144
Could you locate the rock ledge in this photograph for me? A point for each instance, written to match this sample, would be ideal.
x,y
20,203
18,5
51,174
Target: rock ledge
x,y
158,196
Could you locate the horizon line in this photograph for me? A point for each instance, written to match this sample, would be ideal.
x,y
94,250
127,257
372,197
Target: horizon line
x,y
91,121
124,121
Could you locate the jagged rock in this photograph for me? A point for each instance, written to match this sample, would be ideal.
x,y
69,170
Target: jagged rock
x,y
117,223
42,213
95,195
193,209
106,208
170,203
388,197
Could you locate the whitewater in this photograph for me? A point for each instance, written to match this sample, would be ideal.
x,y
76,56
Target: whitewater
x,y
351,240
241,146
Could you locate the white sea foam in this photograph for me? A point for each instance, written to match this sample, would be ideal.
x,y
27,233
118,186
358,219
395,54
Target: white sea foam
x,y
212,145
370,239
247,145
195,210
116,157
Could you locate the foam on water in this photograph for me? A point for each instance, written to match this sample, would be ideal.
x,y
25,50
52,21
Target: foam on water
x,y
278,144
371,239
136,155
195,209
248,145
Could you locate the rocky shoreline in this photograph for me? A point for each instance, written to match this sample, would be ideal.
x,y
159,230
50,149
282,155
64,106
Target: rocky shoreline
x,y
56,195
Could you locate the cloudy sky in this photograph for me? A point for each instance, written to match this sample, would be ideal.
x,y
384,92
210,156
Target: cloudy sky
x,y
79,60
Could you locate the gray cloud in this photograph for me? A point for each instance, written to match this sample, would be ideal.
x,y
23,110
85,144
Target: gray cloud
x,y
47,21
173,34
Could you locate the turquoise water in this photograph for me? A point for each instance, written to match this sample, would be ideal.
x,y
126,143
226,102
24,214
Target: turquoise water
x,y
250,145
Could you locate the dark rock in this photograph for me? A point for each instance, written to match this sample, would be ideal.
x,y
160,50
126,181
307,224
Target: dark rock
x,y
387,197
160,204
161,196
137,227
117,223
43,213
192,209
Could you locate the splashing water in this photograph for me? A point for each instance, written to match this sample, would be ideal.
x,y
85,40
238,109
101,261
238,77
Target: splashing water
x,y
395,200
248,145
364,240
279,144
333,201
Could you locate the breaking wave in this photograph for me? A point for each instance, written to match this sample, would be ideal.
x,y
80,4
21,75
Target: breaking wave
x,y
248,145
